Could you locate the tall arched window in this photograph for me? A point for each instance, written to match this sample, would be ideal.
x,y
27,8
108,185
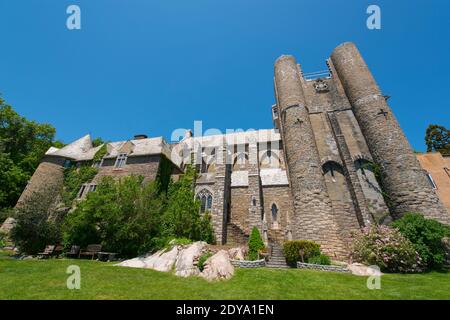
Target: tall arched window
x,y
274,210
205,198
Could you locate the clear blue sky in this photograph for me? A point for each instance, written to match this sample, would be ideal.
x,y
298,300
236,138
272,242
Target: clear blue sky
x,y
152,66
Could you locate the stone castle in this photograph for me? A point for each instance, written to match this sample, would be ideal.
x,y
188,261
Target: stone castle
x,y
311,177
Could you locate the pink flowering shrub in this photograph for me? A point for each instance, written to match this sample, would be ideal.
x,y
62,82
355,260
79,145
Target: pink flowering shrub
x,y
386,248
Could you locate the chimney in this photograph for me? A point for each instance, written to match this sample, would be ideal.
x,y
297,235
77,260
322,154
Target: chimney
x,y
140,136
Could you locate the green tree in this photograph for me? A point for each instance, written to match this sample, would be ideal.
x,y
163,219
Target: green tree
x,y
123,215
182,218
437,139
22,145
255,244
36,224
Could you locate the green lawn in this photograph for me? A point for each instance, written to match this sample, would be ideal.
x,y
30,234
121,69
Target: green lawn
x,y
46,279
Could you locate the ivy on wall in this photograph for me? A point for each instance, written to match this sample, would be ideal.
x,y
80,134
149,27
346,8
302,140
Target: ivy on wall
x,y
100,154
74,178
164,174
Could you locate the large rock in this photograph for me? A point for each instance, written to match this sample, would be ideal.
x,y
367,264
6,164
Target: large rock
x,y
7,225
359,269
218,267
160,261
186,264
236,253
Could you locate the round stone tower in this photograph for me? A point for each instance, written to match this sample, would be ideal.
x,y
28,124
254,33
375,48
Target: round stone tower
x,y
313,214
404,181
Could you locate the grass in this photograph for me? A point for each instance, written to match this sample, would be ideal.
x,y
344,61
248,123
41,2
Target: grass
x,y
46,279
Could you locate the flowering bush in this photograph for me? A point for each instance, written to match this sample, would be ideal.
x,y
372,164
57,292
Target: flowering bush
x,y
387,248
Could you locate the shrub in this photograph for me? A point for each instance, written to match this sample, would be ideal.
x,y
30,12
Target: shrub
x,y
122,215
2,239
426,236
321,259
387,248
182,218
202,260
255,244
300,250
36,224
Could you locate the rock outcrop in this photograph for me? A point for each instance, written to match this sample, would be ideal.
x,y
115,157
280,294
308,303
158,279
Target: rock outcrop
x,y
160,261
183,259
186,264
218,267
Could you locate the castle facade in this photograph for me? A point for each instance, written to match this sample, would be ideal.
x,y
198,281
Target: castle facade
x,y
315,176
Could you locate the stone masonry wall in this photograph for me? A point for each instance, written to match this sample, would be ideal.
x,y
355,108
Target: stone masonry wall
x,y
313,213
146,166
403,178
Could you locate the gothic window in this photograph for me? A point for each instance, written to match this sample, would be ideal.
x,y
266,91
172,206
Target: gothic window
x,y
274,210
209,202
205,198
121,160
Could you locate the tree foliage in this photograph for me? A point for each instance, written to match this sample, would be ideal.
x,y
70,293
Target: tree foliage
x,y
36,224
437,139
426,236
123,215
22,145
255,244
182,218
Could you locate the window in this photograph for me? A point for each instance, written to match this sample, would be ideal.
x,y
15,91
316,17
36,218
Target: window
x,y
121,160
447,170
92,187
67,163
431,181
209,202
205,198
80,193
274,210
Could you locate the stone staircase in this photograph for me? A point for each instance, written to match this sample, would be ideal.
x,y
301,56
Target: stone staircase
x,y
235,235
276,259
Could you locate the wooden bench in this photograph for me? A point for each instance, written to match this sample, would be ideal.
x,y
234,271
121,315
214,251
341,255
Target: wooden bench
x,y
48,251
74,252
91,251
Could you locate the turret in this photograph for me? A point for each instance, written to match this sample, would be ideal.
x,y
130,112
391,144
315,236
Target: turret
x,y
404,181
313,215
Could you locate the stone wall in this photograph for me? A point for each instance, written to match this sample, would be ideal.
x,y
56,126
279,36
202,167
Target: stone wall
x,y
313,213
403,179
146,166
48,177
320,267
281,197
248,264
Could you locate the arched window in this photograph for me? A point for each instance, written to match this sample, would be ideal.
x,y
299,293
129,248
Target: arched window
x,y
274,210
205,198
209,202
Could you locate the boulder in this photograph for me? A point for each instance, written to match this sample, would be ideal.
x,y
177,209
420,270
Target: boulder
x,y
236,253
186,264
218,267
160,261
358,269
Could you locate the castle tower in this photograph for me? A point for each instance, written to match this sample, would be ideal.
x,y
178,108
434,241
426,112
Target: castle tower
x,y
403,179
313,214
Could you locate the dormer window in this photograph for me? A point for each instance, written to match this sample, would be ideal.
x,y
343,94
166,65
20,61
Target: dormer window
x,y
121,160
